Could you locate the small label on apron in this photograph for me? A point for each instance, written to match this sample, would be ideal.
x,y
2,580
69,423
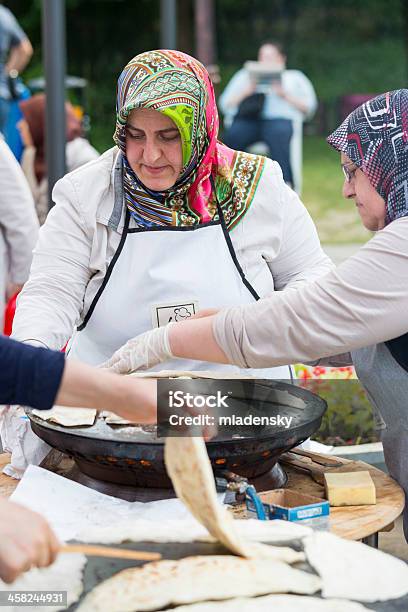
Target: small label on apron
x,y
172,313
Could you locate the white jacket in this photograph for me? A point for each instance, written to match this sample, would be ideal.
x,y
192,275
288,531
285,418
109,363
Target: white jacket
x,y
18,223
82,233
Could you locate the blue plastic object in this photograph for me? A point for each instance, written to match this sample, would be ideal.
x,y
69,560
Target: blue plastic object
x,y
256,503
11,131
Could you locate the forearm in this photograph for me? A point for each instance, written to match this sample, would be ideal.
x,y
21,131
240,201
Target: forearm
x,y
19,56
297,103
239,97
360,304
195,340
87,387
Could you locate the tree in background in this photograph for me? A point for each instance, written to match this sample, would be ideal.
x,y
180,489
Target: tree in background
x,y
343,46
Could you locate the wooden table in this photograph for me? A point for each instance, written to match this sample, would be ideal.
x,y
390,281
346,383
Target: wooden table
x,y
351,522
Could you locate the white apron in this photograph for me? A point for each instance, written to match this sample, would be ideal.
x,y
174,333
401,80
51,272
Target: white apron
x,y
383,371
167,274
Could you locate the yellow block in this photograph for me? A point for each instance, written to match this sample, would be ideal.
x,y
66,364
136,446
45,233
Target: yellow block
x,y
349,488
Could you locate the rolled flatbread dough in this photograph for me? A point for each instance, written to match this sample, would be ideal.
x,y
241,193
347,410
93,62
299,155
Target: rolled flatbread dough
x,y
162,583
67,417
65,574
280,603
355,571
190,471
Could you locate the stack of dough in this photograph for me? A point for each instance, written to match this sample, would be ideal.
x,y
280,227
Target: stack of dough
x,y
67,417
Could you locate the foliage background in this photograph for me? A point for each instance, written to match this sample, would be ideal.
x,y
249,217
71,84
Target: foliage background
x,y
343,46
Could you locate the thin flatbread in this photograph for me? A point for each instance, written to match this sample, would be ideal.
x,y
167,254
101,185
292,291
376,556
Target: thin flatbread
x,y
65,574
355,571
190,471
174,530
280,603
157,585
114,419
67,417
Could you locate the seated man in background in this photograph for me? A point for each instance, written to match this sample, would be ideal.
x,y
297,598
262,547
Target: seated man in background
x,y
280,105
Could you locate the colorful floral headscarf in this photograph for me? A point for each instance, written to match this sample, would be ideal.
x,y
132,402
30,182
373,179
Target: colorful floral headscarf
x,y
178,86
375,138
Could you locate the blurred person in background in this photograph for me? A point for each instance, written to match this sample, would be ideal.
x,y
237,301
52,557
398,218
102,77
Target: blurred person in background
x,y
18,227
15,53
258,107
78,150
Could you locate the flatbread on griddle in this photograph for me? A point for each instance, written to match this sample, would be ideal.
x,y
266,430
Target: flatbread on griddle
x,y
162,583
279,603
67,417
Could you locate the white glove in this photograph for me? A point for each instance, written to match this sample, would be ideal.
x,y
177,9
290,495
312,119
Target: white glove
x,y
142,352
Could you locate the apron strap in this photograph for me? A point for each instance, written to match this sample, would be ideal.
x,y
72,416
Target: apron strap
x,y
230,245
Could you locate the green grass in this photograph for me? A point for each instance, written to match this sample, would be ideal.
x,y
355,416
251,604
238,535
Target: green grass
x,y
336,219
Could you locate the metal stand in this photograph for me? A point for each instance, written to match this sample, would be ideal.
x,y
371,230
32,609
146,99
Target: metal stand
x,y
53,27
371,540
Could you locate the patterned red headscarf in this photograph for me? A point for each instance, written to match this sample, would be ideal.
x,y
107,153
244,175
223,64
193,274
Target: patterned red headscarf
x,y
177,85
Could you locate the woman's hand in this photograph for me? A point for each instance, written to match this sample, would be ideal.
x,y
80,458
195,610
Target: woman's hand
x,y
26,540
141,352
138,400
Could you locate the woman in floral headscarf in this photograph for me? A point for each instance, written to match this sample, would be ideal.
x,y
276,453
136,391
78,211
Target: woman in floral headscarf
x,y
363,303
168,222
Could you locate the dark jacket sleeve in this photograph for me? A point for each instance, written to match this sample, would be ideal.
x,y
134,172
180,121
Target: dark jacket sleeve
x,y
29,375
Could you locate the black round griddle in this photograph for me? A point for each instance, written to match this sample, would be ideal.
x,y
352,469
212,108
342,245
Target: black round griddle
x,y
131,455
98,569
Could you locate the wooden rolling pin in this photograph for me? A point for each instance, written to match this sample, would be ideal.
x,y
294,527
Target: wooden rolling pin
x,y
316,464
93,550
